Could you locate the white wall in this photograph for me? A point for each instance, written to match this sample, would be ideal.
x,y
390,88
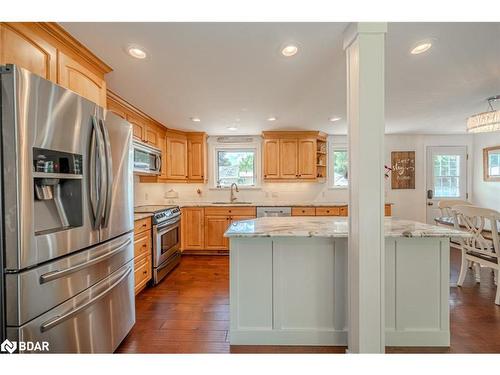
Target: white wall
x,y
486,194
408,204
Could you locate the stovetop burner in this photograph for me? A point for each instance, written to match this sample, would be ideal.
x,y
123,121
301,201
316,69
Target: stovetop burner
x,y
151,209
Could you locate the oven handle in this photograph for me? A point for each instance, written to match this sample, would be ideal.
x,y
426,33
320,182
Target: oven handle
x,y
51,323
162,226
49,276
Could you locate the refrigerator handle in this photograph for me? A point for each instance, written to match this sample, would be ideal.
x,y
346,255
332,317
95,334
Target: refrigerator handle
x,y
109,173
97,174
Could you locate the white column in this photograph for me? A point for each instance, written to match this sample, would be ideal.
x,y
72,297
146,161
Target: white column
x,y
364,46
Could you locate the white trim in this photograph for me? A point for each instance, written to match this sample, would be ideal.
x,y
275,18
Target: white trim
x,y
214,146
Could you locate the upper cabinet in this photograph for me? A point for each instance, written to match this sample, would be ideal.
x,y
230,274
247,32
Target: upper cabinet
x,y
46,49
76,77
177,156
271,157
197,166
23,46
296,156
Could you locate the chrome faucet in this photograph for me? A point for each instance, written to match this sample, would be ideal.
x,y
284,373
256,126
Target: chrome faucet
x,y
233,198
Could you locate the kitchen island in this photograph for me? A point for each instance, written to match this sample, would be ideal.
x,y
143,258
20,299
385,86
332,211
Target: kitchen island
x,y
288,282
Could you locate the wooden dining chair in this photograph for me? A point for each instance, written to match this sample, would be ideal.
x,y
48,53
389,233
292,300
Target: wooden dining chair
x,y
445,206
476,248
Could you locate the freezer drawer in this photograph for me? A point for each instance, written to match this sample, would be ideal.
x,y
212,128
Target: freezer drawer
x,y
35,291
94,321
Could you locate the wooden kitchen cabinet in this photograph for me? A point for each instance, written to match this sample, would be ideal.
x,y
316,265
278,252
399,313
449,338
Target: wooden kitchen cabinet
x,y
142,253
327,211
46,49
306,158
192,228
271,158
177,161
215,227
294,156
152,137
75,76
196,144
20,44
303,211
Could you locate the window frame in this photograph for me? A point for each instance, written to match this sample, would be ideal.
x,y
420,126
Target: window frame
x,y
331,169
215,147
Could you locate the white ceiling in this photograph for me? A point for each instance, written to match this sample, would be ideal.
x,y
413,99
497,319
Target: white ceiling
x,y
233,74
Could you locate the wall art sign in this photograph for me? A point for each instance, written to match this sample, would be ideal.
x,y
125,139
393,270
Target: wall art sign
x,y
403,170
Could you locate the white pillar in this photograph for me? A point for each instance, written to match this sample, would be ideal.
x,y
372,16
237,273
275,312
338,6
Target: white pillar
x,y
364,46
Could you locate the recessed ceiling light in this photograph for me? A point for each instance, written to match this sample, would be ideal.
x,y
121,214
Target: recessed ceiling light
x,y
289,50
272,118
195,119
232,128
136,52
421,47
333,119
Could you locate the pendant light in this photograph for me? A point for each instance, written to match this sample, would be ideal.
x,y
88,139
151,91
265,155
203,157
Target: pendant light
x,y
486,121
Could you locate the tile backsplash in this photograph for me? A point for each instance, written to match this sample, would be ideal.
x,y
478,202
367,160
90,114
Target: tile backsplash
x,y
155,193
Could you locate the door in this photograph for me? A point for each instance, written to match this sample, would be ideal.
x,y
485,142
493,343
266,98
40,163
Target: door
x,y
192,228
196,159
81,80
307,158
271,158
151,136
177,158
288,158
446,175
22,46
138,128
215,227
93,321
119,207
38,115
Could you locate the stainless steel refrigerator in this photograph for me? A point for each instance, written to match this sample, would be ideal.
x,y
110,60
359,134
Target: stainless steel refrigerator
x,y
67,218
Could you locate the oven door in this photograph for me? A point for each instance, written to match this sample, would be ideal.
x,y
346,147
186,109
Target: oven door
x,y
147,159
166,240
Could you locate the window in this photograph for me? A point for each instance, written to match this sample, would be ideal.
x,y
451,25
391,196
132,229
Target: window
x,y
446,176
340,168
235,165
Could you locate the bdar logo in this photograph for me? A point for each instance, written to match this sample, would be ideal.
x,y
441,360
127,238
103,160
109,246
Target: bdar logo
x,y
8,346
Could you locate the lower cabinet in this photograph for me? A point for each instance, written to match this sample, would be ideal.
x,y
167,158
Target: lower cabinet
x,y
192,228
215,226
203,228
142,253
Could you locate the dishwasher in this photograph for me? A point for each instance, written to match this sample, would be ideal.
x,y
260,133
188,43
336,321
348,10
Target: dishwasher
x,y
274,211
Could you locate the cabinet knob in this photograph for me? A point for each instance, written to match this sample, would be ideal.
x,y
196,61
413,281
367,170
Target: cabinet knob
x,y
145,272
327,211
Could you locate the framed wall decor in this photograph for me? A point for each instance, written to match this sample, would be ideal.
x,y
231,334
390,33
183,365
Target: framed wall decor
x,y
491,163
403,170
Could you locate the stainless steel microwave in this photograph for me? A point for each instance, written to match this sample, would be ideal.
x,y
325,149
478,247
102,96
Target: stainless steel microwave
x,y
147,159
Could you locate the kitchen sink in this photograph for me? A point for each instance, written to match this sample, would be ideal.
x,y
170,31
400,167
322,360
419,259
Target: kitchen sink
x,y
231,203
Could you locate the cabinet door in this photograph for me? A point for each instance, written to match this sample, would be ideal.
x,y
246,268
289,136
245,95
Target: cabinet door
x,y
177,159
76,77
138,128
288,158
192,226
271,158
22,46
151,137
215,226
196,159
307,158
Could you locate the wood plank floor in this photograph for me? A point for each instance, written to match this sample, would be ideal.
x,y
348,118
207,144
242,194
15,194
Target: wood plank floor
x,y
188,312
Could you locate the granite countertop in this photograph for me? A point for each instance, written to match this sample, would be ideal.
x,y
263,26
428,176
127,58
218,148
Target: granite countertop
x,y
141,216
331,227
264,204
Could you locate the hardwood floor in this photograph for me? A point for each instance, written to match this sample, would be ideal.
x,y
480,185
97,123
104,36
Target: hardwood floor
x,y
189,313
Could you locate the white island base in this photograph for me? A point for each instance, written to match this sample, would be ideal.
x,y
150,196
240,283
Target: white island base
x,y
293,291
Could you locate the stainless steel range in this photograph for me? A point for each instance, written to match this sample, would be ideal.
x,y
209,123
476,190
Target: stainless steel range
x,y
166,238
